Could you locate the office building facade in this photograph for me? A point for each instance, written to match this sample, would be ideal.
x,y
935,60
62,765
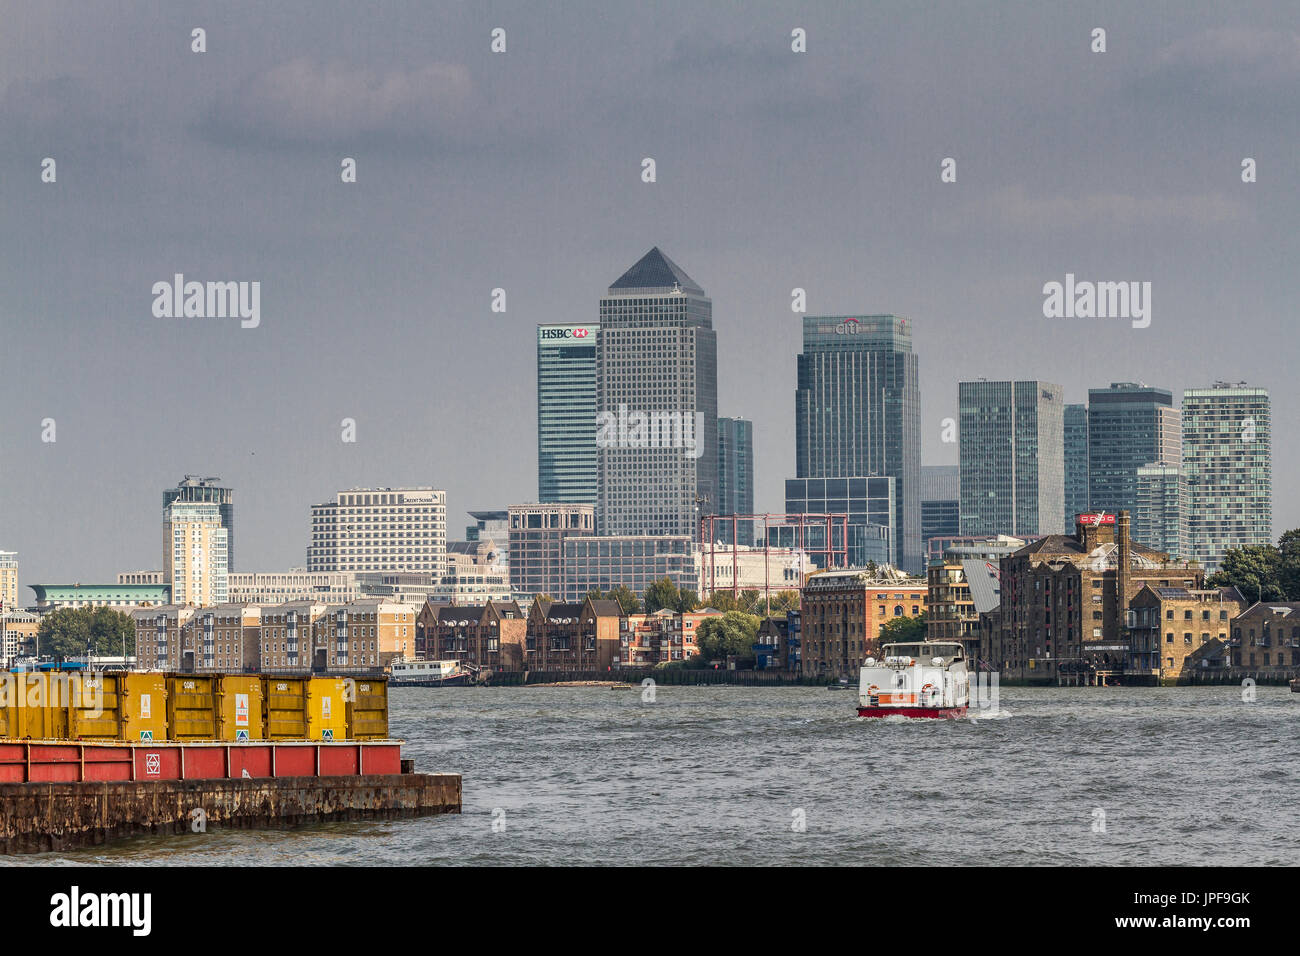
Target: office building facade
x,y
657,402
380,529
1012,457
871,504
8,581
736,473
1228,467
940,501
857,412
1075,437
1160,513
537,533
1129,425
566,413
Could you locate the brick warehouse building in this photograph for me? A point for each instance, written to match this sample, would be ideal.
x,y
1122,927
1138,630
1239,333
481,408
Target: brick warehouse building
x,y
842,612
1064,602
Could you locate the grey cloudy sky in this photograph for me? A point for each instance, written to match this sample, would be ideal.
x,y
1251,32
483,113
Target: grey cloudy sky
x,y
521,170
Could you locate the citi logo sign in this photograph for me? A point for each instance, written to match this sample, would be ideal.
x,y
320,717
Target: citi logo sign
x,y
565,333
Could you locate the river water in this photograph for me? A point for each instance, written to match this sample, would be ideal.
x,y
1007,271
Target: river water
x,y
790,775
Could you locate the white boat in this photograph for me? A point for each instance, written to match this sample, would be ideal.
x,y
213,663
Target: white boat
x,y
926,679
427,673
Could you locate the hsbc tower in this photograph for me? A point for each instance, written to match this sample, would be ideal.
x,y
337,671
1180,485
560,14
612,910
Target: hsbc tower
x,y
566,413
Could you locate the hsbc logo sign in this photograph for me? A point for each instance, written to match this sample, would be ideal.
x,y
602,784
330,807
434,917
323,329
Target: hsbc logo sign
x,y
551,334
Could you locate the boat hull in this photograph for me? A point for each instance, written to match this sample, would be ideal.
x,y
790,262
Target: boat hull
x,y
928,712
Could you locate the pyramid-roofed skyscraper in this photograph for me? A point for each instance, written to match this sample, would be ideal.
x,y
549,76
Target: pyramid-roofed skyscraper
x,y
656,402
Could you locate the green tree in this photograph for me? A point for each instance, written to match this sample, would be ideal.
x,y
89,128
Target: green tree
x,y
903,630
624,595
730,635
665,594
785,601
1289,568
68,632
1254,570
722,601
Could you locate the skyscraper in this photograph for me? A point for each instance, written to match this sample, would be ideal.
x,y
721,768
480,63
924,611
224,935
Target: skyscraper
x,y
9,581
656,402
193,488
196,553
736,473
1012,452
1129,425
858,413
1160,518
940,501
566,413
1076,463
1228,466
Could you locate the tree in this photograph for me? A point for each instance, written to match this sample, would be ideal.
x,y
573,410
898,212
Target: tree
x,y
69,632
722,601
730,635
665,594
1254,570
1289,569
903,630
624,595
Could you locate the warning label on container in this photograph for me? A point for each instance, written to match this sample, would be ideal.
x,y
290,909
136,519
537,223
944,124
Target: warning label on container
x,y
325,707
152,764
241,710
146,707
146,735
327,734
241,734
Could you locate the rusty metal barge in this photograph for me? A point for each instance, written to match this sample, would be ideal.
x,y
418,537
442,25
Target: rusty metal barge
x,y
85,761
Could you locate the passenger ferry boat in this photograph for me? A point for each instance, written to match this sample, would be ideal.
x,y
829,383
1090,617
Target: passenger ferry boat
x,y
927,679
427,673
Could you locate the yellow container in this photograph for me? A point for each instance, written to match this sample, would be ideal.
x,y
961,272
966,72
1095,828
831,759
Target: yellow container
x,y
192,706
40,710
240,713
367,709
285,700
142,704
327,708
96,712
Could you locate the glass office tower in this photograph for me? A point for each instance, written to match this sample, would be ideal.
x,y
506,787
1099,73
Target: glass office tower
x,y
858,413
1129,425
566,413
1012,453
1076,464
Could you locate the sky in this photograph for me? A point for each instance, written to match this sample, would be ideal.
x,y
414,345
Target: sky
x,y
521,170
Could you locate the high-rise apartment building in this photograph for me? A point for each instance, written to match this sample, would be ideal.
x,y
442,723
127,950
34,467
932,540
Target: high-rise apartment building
x,y
1129,425
857,413
380,529
656,402
736,473
566,413
206,491
8,581
1228,466
1160,516
194,553
1012,457
1076,462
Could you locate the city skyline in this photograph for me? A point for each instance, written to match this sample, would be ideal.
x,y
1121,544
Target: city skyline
x,y
346,276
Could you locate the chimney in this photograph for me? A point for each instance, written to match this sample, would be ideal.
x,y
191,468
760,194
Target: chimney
x,y
1095,529
1123,556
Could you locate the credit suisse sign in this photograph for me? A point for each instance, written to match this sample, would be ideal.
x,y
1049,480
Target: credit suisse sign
x,y
558,333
